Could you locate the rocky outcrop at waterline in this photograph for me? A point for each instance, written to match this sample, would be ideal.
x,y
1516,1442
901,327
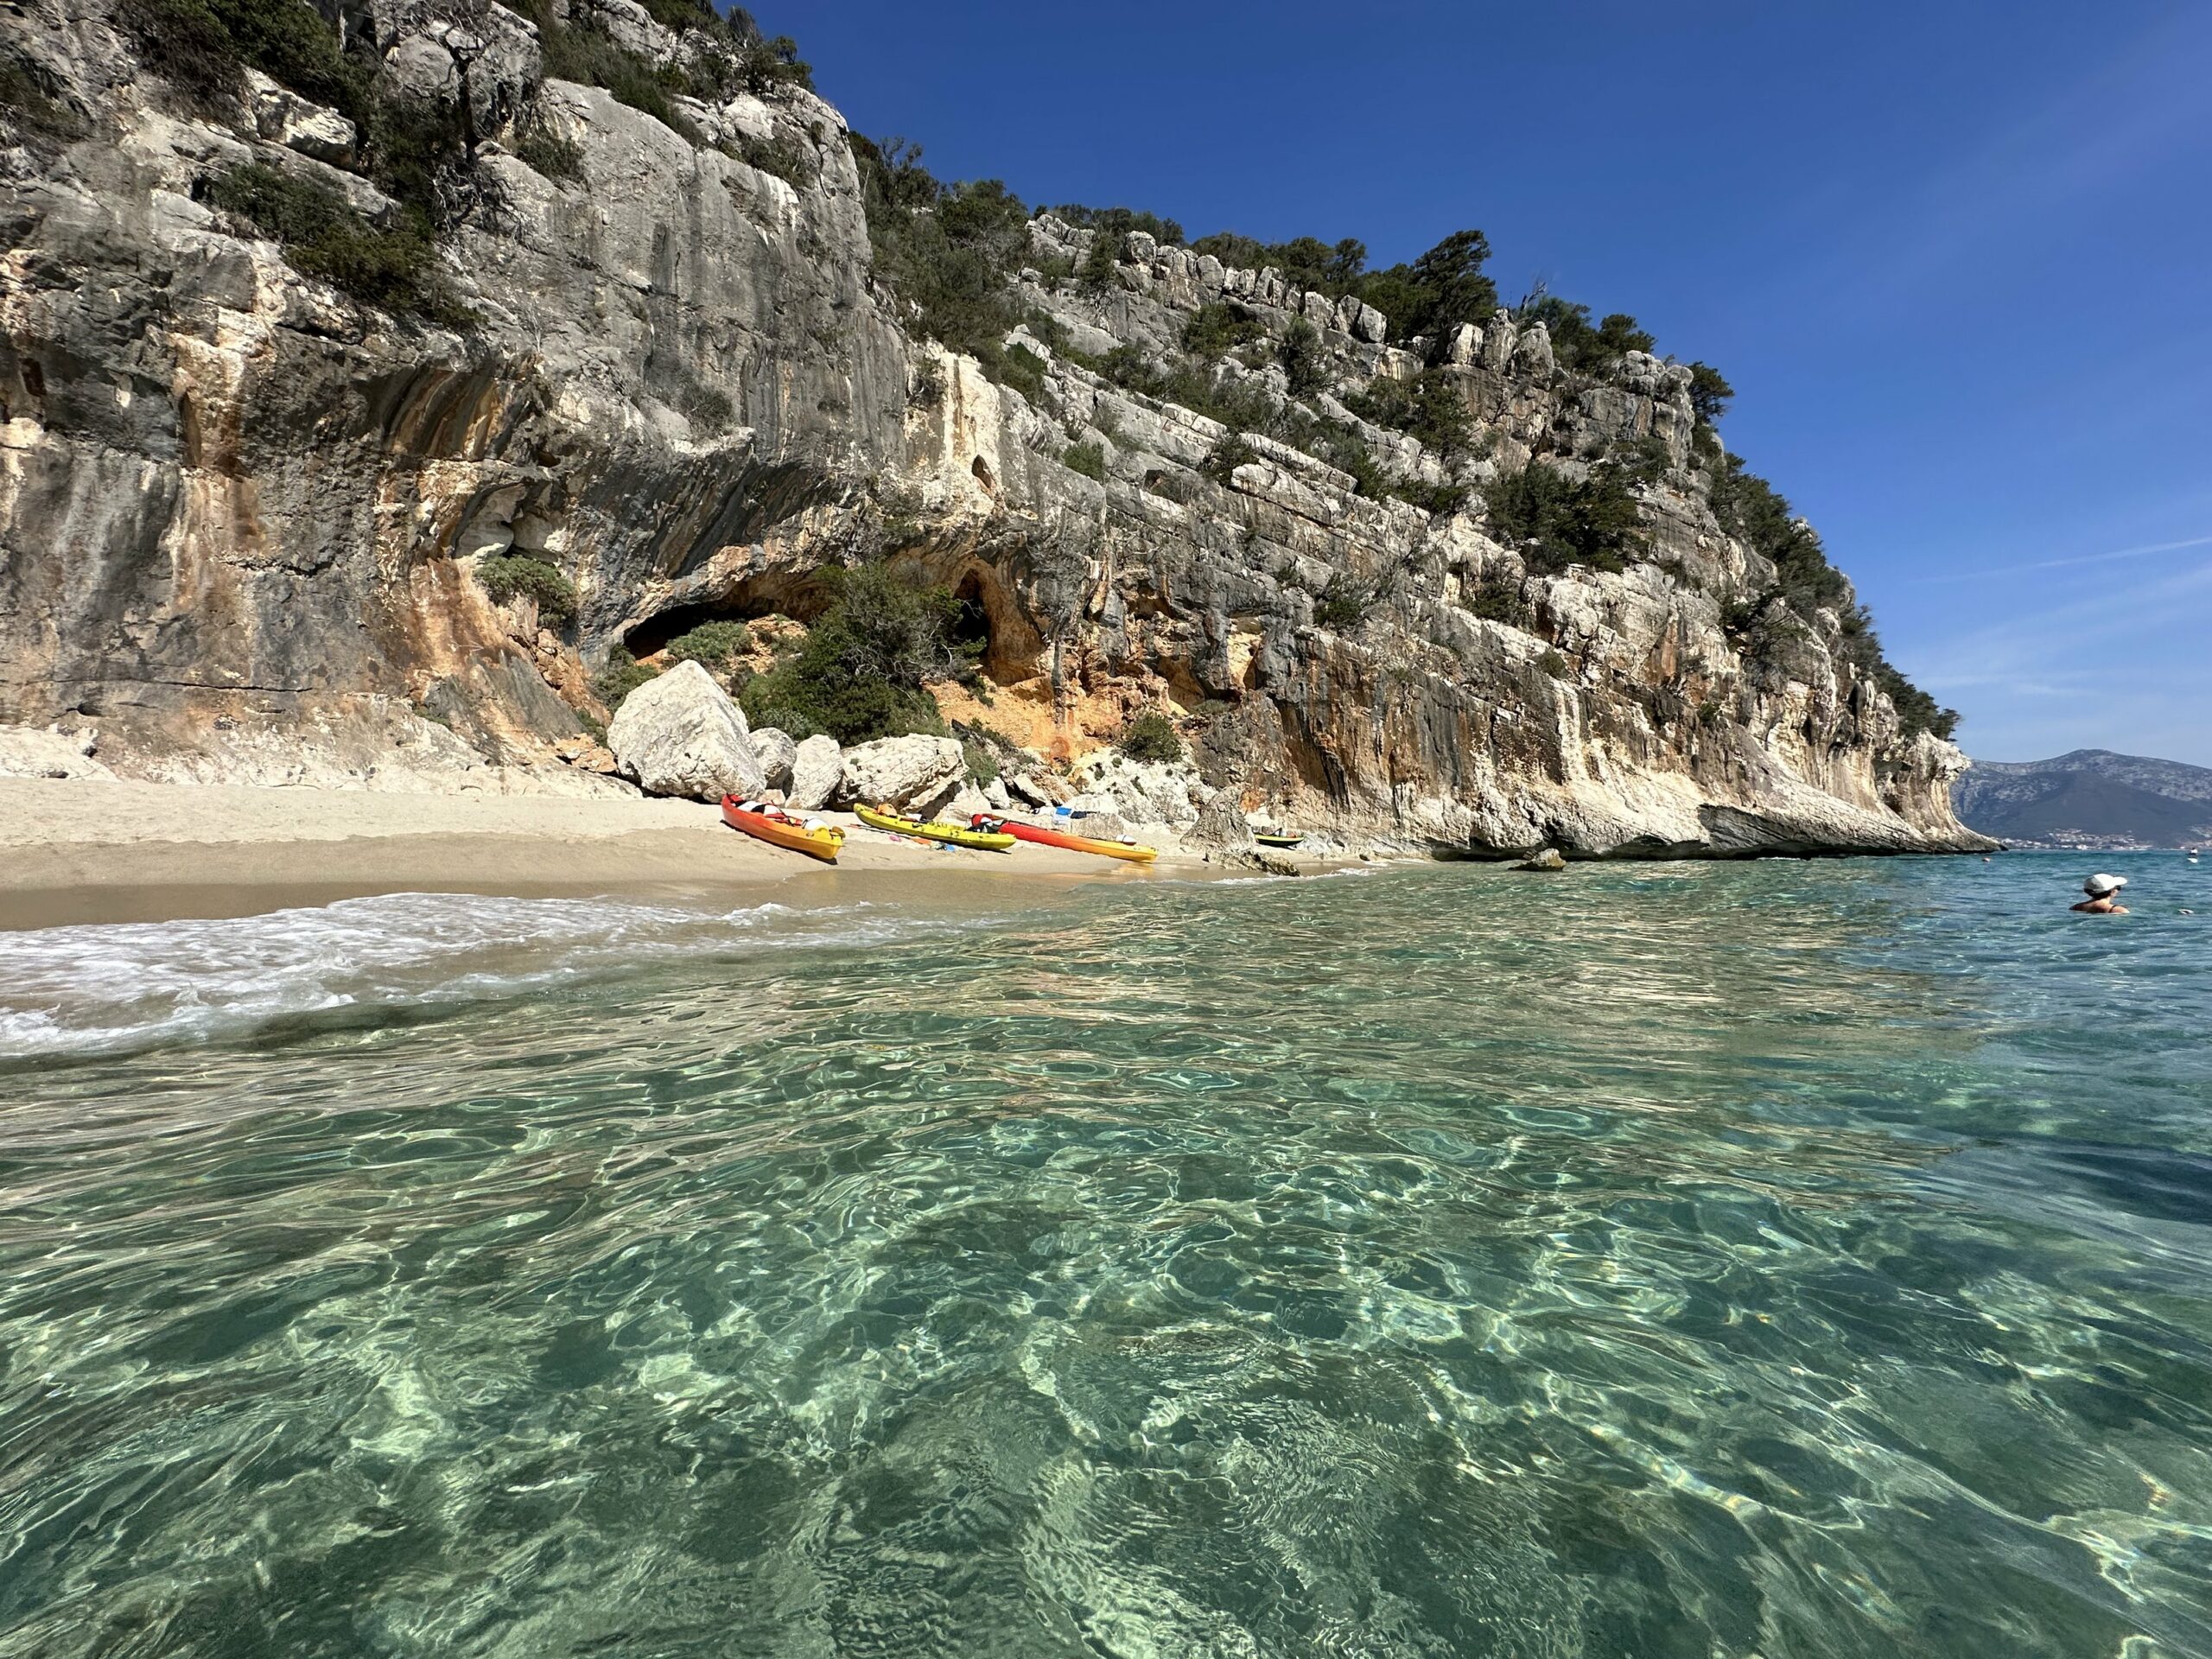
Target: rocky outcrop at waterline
x,y
245,511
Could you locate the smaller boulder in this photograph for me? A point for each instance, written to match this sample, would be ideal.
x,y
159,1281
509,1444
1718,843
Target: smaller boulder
x,y
902,772
1220,823
776,751
995,792
817,767
966,802
679,734
1547,862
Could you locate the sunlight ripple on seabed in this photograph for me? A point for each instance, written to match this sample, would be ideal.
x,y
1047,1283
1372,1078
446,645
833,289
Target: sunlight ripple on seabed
x,y
1769,1259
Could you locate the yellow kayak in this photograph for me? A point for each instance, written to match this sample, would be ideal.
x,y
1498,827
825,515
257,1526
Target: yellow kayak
x,y
953,834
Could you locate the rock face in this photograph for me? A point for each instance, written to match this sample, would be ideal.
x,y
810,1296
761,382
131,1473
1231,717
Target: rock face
x,y
680,734
28,753
776,751
817,768
242,512
908,772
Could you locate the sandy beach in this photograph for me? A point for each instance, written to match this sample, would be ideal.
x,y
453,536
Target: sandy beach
x,y
81,850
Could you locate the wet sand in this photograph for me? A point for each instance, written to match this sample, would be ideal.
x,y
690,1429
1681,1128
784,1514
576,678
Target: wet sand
x,y
78,851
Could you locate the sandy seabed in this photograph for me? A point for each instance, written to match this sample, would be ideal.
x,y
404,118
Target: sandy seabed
x,y
87,851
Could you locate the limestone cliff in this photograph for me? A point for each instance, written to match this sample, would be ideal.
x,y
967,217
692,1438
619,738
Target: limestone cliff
x,y
240,506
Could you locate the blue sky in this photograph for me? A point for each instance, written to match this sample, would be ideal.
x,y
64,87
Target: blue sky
x,y
1957,258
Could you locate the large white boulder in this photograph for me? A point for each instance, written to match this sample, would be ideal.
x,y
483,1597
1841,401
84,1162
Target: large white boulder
x,y
817,767
903,771
1155,791
680,734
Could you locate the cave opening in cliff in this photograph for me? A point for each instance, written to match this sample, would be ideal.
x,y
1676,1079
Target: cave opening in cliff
x,y
801,599
971,623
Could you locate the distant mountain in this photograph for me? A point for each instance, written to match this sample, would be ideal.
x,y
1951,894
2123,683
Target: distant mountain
x,y
2091,797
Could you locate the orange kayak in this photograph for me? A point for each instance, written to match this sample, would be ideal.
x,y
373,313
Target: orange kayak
x,y
781,828
1044,838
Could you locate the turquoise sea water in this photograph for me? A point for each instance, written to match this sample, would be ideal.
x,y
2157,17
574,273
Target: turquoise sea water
x,y
1776,1259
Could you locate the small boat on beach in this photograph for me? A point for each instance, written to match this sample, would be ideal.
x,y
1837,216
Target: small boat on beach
x,y
1276,837
781,828
952,835
1042,837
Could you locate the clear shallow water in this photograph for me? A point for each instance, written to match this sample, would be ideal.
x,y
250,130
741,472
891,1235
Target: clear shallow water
x,y
1776,1259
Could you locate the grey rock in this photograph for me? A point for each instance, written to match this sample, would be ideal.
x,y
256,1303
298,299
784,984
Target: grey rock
x,y
1549,861
817,767
680,734
284,117
1370,325
776,753
1220,824
29,753
967,801
1532,353
995,794
902,772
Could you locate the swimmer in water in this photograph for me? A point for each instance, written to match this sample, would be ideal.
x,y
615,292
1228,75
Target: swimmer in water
x,y
2104,895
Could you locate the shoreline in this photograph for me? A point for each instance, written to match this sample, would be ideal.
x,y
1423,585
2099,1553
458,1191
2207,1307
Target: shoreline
x,y
77,852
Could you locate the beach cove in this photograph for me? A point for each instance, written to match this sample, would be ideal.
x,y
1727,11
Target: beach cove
x,y
85,851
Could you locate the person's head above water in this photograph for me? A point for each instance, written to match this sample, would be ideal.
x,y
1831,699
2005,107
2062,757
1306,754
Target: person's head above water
x,y
2104,892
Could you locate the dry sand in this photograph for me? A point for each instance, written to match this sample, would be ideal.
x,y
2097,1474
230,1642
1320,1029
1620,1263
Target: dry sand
x,y
81,850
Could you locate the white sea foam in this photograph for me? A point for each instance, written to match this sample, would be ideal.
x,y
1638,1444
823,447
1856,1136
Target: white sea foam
x,y
69,990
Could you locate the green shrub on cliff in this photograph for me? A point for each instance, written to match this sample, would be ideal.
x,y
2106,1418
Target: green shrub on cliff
x,y
711,644
1751,508
1553,521
1089,459
200,46
861,674
1710,393
619,676
549,155
1120,221
510,575
1916,711
1151,736
1217,328
1430,296
1304,362
592,58
1578,346
1431,408
1344,602
948,250
323,236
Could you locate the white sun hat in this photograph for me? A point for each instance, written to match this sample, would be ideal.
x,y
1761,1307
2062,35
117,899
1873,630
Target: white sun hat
x,y
2099,885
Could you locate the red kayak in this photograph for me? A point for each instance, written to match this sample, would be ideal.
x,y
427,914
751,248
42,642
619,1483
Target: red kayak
x,y
1044,838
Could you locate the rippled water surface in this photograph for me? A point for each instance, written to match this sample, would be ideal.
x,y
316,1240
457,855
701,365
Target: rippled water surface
x,y
1779,1259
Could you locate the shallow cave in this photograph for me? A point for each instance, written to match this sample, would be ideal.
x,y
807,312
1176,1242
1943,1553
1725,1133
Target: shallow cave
x,y
992,619
798,597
